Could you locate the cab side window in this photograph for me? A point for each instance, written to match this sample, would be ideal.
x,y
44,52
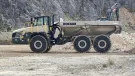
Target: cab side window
x,y
45,20
40,22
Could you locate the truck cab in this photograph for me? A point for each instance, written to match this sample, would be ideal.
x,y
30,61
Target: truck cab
x,y
37,25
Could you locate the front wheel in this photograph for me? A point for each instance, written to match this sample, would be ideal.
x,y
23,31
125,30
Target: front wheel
x,y
102,44
39,44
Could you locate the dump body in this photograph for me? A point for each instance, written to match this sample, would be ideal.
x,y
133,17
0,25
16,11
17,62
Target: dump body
x,y
92,28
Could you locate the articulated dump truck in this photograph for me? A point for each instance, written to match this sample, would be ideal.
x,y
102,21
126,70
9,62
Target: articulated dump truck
x,y
43,32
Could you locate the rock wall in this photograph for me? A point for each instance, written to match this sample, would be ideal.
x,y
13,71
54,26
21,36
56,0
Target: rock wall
x,y
15,12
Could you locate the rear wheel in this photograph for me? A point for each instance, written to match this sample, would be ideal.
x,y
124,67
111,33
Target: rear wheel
x,y
102,44
39,44
82,44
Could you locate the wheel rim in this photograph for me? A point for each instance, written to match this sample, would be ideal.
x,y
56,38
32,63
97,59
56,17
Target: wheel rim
x,y
102,44
82,44
38,44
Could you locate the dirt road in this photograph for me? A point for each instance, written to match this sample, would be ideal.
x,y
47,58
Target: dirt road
x,y
18,60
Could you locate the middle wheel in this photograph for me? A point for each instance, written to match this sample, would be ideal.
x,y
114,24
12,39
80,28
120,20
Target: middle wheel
x,y
82,44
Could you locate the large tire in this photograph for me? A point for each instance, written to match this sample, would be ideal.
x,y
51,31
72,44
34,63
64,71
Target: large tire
x,y
102,44
82,44
39,44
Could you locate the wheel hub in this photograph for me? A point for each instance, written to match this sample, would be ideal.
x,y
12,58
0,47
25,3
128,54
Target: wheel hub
x,y
102,44
37,44
82,43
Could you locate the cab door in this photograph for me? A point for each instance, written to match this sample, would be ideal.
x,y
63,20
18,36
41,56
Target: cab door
x,y
46,24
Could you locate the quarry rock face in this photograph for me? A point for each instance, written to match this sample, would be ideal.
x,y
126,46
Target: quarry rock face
x,y
15,12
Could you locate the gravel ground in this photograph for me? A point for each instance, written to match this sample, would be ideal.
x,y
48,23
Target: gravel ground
x,y
18,60
63,63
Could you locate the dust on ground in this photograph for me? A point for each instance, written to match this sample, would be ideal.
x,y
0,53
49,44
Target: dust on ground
x,y
63,60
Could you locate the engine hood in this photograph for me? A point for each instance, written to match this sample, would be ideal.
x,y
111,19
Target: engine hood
x,y
22,29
